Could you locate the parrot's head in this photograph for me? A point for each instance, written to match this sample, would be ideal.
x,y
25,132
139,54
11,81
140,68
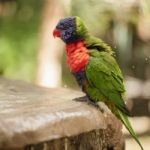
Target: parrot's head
x,y
70,29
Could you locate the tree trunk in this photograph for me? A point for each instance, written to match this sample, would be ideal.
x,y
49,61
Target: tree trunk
x,y
50,49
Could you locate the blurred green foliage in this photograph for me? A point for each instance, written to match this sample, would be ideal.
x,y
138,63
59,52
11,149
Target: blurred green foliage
x,y
19,21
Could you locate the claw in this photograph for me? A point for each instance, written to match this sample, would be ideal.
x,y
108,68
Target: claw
x,y
81,99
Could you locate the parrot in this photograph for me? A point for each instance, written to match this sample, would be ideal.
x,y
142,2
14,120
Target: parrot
x,y
92,63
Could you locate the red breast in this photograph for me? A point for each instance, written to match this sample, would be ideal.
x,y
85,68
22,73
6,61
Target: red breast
x,y
77,56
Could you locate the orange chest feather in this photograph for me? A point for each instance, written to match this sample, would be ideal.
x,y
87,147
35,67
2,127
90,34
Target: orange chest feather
x,y
77,56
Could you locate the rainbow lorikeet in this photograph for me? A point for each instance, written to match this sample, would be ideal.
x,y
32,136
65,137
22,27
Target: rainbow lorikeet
x,y
91,62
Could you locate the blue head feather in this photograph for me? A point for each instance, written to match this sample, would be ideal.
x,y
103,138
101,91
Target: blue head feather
x,y
67,29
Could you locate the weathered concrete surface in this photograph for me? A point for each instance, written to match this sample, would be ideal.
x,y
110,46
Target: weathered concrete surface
x,y
31,115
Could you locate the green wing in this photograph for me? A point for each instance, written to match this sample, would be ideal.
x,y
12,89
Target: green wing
x,y
104,74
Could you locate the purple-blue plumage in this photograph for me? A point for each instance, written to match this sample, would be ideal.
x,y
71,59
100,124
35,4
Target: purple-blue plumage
x,y
80,77
68,29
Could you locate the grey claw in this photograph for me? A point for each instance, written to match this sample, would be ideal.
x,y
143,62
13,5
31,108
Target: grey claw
x,y
81,99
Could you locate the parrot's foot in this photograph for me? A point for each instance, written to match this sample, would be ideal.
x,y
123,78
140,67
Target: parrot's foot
x,y
97,105
89,102
93,103
81,99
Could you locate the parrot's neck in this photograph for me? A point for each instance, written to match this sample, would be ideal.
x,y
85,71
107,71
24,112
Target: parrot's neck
x,y
77,56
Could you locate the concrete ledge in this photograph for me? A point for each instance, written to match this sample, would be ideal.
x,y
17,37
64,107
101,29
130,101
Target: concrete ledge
x,y
33,117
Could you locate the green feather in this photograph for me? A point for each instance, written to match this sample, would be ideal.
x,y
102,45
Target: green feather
x,y
96,43
106,84
102,74
127,124
90,41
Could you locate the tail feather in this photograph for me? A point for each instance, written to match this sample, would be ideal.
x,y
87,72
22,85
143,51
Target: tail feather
x,y
125,110
127,124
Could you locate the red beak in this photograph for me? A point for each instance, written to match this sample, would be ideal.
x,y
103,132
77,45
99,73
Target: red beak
x,y
56,33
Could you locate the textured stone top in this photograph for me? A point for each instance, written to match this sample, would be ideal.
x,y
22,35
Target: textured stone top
x,y
30,114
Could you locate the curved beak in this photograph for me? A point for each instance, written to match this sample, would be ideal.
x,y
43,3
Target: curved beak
x,y
56,33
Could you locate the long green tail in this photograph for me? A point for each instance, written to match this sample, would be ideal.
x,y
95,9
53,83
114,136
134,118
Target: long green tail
x,y
127,124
